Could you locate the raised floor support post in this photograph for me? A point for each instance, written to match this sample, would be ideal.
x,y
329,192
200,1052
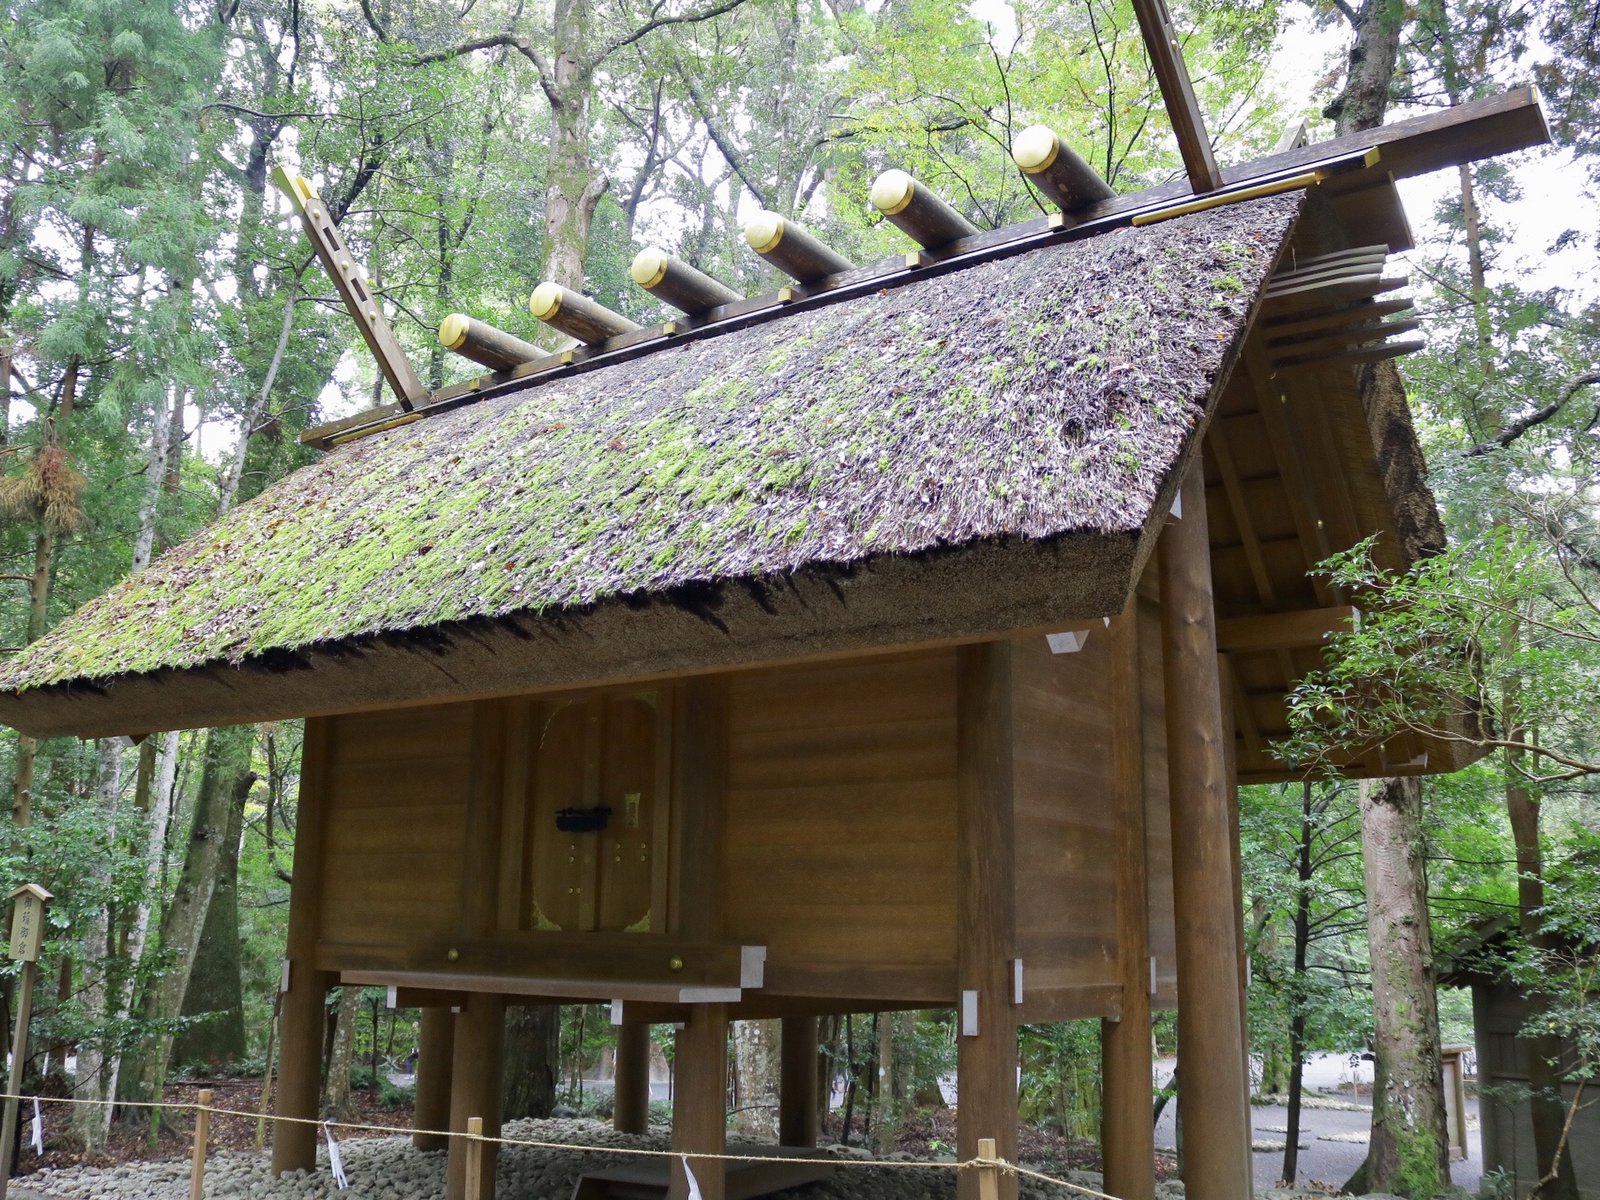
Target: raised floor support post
x,y
986,1019
631,1094
436,1048
1212,1101
1127,1135
798,1117
304,1017
476,1088
700,1101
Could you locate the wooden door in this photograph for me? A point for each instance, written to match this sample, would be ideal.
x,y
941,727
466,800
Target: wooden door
x,y
597,814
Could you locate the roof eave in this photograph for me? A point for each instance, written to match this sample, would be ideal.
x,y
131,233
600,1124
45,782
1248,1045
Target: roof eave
x,y
975,592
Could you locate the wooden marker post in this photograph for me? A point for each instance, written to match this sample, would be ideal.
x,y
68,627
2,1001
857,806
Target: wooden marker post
x,y
197,1158
474,1158
576,315
917,212
348,277
988,1175
798,254
29,904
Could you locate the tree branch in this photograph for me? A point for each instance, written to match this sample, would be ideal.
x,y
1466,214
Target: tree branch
x,y
1534,419
693,17
516,41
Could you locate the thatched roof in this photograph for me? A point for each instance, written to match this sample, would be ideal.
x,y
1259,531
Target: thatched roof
x,y
1028,410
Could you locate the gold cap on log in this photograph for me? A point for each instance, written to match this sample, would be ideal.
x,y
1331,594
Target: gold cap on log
x,y
483,343
546,300
1056,170
1035,148
764,231
650,267
892,191
453,330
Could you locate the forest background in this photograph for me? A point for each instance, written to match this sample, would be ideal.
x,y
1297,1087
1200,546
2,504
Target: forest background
x,y
165,335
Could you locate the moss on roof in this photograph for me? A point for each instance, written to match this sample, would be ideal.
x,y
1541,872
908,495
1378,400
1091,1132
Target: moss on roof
x,y
1030,397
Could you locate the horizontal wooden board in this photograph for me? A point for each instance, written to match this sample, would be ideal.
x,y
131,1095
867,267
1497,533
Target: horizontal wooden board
x,y
403,784
400,734
919,687
886,750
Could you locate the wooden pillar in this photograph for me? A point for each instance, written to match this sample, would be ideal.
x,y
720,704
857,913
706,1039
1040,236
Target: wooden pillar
x,y
700,1100
475,1089
1226,687
303,1019
631,1092
798,1117
436,1048
986,1020
1127,1135
1212,1105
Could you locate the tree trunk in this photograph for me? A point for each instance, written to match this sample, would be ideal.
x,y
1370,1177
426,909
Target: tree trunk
x,y
340,1106
91,1122
757,1052
1297,992
1408,1153
215,982
572,186
225,783
531,1052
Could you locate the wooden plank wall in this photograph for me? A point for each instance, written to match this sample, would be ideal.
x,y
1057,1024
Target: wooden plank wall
x,y
397,819
1066,852
839,815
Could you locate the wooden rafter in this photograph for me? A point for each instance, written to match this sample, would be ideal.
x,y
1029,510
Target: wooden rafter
x,y
1188,123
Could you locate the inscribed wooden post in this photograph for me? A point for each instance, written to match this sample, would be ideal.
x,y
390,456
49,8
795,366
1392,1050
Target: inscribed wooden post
x,y
27,932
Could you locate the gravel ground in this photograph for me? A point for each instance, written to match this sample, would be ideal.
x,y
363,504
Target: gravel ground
x,y
389,1169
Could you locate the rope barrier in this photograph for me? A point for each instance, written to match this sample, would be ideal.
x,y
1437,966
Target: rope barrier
x,y
977,1162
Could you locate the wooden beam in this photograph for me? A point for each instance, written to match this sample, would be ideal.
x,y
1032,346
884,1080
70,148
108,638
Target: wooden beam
x,y
1127,1136
1278,328
475,1091
1188,123
798,1115
436,1047
1360,354
986,1021
1292,466
631,1091
1284,630
351,283
699,1101
304,1019
1215,1114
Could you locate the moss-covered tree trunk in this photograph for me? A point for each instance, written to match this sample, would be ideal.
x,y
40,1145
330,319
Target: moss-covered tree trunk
x,y
225,782
572,185
216,986
1409,1151
338,1093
